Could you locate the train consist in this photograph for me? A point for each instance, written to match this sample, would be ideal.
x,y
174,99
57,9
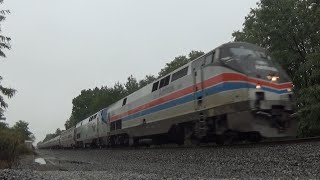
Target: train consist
x,y
234,92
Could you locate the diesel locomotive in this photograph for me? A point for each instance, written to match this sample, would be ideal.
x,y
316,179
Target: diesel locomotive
x,y
233,93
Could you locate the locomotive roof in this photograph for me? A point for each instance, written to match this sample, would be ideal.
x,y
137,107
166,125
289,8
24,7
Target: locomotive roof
x,y
237,44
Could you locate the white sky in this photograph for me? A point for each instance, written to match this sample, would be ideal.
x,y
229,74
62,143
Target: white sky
x,y
60,47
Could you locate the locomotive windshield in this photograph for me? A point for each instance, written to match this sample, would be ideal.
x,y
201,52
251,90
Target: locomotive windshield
x,y
253,61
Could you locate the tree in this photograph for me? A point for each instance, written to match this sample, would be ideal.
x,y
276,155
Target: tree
x,y
11,140
147,80
81,105
173,65
92,100
195,54
70,122
3,125
58,132
22,128
178,62
4,44
289,29
131,85
48,137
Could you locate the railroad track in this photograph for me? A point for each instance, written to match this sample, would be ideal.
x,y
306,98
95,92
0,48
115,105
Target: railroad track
x,y
274,142
208,145
243,144
292,141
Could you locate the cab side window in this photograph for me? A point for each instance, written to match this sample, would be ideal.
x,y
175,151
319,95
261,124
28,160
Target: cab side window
x,y
124,102
210,58
179,74
155,86
164,81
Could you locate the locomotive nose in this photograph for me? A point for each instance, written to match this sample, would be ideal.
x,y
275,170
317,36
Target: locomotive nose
x,y
265,99
272,107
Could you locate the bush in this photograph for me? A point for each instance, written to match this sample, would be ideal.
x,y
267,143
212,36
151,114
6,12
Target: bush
x,y
11,146
309,104
23,149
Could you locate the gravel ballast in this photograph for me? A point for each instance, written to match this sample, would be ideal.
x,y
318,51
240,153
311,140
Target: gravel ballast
x,y
12,174
289,161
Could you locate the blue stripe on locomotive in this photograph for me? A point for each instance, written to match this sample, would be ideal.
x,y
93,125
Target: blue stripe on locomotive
x,y
226,86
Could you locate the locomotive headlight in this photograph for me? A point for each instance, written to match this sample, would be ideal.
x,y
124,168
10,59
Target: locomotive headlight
x,y
269,77
274,78
289,89
258,86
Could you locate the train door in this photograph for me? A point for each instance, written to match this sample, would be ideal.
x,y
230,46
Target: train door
x,y
198,87
96,126
103,125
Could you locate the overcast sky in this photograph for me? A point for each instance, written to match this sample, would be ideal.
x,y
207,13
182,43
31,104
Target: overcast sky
x,y
60,47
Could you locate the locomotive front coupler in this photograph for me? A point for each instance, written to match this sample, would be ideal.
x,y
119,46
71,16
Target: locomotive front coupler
x,y
262,113
279,120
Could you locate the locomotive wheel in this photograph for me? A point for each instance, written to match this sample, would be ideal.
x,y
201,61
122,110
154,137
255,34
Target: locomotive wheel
x,y
231,137
219,139
135,142
159,140
228,137
176,134
254,137
180,135
189,136
191,141
125,140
